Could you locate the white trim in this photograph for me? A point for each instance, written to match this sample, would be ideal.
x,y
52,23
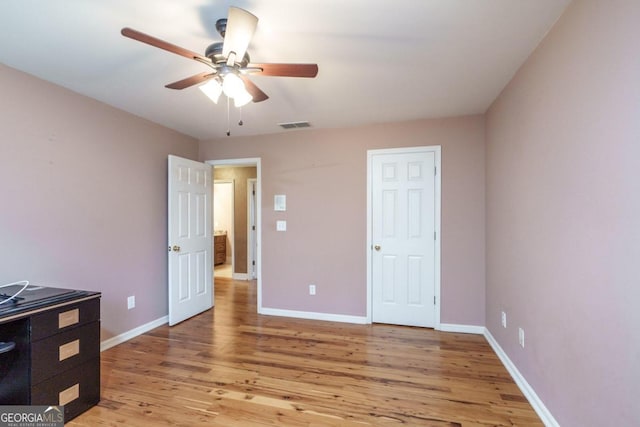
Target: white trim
x,y
119,339
461,329
251,210
257,162
438,203
438,195
240,276
314,316
522,383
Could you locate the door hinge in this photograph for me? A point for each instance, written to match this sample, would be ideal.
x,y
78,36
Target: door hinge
x,y
253,263
434,300
253,192
434,236
435,171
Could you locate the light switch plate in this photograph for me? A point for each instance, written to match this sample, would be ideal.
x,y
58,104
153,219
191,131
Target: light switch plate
x,y
281,225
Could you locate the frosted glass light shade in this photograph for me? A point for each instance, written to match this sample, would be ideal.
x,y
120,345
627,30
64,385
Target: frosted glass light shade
x,y
242,98
212,89
232,85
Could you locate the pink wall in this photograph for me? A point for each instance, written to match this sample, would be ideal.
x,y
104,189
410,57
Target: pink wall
x,y
323,175
563,209
83,198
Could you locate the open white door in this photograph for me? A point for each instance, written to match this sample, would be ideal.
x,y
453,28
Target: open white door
x,y
190,244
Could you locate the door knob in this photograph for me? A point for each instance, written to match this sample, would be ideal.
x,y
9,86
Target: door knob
x,y
376,247
176,248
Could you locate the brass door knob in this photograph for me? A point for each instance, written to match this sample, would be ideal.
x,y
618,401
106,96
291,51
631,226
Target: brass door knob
x,y
176,248
376,247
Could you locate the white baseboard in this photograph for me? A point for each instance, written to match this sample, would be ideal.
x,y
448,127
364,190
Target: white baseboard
x,y
314,316
526,389
119,339
240,276
463,329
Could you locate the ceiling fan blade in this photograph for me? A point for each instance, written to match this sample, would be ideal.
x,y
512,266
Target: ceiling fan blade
x,y
286,70
190,81
145,38
240,28
257,94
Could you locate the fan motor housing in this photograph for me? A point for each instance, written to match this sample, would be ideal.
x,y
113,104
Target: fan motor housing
x,y
214,53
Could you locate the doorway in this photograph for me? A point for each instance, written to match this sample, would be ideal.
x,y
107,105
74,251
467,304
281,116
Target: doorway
x,y
245,243
223,235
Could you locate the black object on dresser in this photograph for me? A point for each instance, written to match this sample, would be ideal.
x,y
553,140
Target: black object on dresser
x,y
50,348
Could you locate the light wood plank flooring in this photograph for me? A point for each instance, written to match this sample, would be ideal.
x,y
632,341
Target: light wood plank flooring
x,y
232,367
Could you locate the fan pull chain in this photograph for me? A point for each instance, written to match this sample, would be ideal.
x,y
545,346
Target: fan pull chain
x,y
228,127
240,123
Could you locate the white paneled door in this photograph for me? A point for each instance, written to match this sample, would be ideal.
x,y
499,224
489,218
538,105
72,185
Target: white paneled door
x,y
190,244
404,246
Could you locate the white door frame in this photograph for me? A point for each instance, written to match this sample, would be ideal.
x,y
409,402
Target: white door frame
x,y
252,161
370,153
251,215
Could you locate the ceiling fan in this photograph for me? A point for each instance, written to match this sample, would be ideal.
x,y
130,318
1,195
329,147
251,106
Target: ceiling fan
x,y
229,61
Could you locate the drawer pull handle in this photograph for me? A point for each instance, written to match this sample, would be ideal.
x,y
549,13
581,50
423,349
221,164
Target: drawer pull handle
x,y
68,350
68,318
69,395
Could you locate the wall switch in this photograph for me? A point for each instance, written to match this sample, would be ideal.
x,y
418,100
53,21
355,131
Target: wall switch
x,y
281,225
312,289
131,302
521,337
504,319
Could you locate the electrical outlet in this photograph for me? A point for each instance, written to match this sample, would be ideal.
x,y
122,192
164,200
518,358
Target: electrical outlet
x,y
521,337
504,319
131,302
312,289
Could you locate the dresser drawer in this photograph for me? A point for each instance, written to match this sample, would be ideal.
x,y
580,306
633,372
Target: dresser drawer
x,y
77,390
64,318
64,351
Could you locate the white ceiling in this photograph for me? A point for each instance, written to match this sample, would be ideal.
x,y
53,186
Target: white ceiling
x,y
379,61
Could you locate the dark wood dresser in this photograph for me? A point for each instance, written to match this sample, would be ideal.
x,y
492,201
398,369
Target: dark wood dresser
x,y
219,248
56,356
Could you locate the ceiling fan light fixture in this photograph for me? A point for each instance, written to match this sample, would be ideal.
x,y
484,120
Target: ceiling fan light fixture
x,y
229,60
232,85
212,89
242,98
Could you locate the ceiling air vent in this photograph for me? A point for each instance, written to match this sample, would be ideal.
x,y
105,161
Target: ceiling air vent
x,y
294,125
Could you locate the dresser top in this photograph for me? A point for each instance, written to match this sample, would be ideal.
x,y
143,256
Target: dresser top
x,y
35,298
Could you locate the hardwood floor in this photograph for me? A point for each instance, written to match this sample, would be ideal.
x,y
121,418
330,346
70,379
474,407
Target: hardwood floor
x,y
232,367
